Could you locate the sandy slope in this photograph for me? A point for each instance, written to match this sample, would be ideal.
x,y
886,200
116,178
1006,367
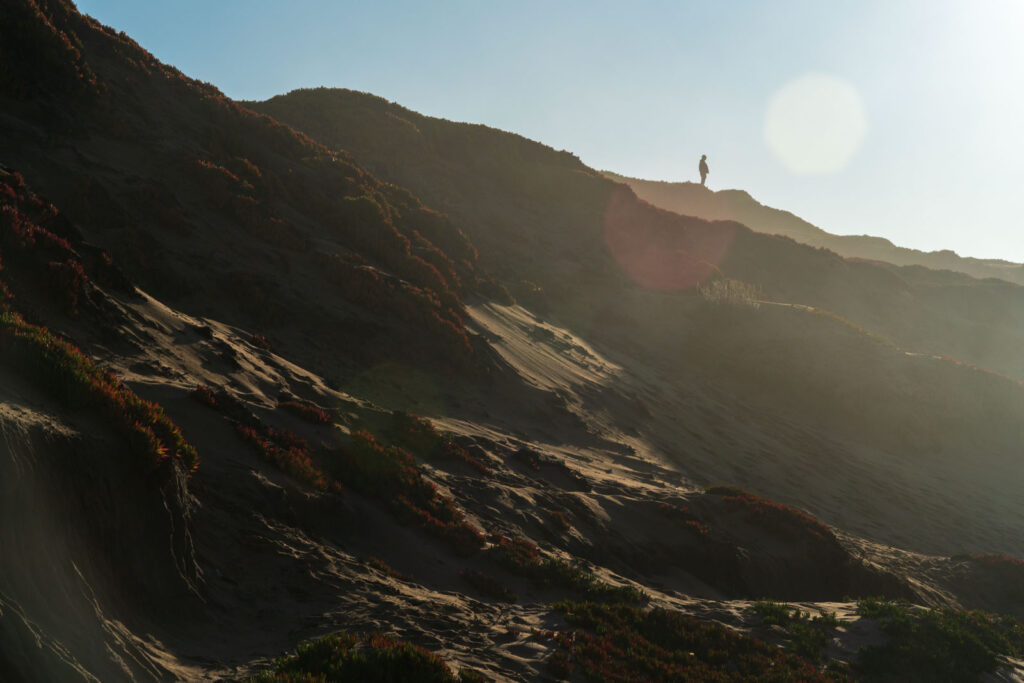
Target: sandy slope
x,y
708,435
58,619
279,564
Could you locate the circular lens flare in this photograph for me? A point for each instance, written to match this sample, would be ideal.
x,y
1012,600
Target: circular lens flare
x,y
661,250
815,124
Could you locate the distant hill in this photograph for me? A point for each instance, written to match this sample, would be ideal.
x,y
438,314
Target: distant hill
x,y
692,199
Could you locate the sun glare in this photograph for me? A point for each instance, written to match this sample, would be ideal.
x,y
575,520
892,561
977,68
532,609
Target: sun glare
x,y
815,124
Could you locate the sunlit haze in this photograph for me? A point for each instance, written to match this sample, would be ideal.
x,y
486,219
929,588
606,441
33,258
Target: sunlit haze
x,y
901,120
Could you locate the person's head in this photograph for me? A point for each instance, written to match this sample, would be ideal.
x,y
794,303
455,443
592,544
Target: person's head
x,y
703,157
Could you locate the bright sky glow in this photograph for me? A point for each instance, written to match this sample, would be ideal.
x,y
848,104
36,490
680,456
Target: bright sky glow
x,y
920,139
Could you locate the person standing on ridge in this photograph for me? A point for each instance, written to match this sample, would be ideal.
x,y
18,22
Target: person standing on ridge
x,y
703,168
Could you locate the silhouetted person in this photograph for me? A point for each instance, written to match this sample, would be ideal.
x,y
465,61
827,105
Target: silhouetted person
x,y
703,168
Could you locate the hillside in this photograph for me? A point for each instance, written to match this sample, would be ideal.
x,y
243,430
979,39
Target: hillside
x,y
256,390
516,199
622,274
692,199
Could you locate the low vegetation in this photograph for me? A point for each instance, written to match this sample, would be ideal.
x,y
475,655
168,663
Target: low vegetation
x,y
375,658
287,452
205,395
809,636
386,569
66,373
71,377
776,516
418,307
282,448
936,644
307,411
522,557
390,474
998,561
625,643
386,473
419,436
28,234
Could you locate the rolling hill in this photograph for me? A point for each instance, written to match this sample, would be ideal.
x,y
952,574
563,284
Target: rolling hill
x,y
516,199
692,199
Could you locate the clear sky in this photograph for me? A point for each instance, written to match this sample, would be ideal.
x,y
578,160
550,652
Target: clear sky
x,y
903,119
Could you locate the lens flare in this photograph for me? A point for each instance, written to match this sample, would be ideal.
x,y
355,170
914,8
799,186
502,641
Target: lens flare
x,y
661,250
815,124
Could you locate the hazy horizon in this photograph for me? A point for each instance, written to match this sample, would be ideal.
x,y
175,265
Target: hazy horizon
x,y
900,122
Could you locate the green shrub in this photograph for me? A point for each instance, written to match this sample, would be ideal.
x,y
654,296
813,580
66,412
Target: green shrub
x,y
882,608
808,637
375,658
772,613
943,644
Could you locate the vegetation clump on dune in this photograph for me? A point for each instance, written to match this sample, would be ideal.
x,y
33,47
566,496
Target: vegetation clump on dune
x,y
809,636
778,516
523,557
386,569
387,473
936,644
281,447
203,394
390,473
375,658
73,378
288,452
307,411
418,435
367,287
28,234
624,643
998,561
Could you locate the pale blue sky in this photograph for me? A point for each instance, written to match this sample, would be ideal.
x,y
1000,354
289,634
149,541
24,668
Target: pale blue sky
x,y
645,88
